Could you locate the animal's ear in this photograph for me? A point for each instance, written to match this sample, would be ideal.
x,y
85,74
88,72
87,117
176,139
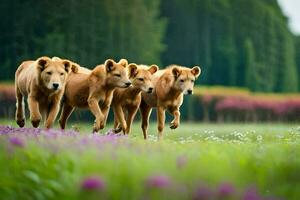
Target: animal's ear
x,y
132,68
176,72
196,71
123,62
42,63
67,65
153,69
109,65
74,68
55,58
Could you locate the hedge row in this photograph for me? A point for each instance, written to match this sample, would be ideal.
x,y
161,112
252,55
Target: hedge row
x,y
234,104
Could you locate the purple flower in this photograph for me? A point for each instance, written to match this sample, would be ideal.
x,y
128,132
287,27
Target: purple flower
x,y
92,183
181,161
203,193
158,181
16,141
251,194
226,190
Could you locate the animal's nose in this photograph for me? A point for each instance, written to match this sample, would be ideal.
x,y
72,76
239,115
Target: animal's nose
x,y
190,91
150,89
55,85
128,83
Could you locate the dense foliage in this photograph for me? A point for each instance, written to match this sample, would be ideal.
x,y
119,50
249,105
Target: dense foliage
x,y
237,42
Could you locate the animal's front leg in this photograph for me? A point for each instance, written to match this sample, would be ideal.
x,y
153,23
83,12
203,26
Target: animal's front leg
x,y
94,107
52,114
131,114
119,114
20,116
105,111
176,121
161,115
35,115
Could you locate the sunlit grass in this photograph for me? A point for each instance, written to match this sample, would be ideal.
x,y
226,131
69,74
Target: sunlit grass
x,y
195,157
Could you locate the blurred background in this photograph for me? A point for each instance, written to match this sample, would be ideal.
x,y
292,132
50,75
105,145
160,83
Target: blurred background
x,y
249,55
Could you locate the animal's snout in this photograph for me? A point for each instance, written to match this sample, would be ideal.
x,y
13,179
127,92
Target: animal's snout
x,y
128,84
55,86
190,91
150,90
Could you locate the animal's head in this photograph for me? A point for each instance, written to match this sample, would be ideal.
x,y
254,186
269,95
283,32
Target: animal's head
x,y
185,78
141,76
53,72
74,66
117,73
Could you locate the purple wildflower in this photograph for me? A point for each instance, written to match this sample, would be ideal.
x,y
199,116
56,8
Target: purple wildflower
x,y
203,193
251,194
158,181
226,190
16,141
92,183
5,129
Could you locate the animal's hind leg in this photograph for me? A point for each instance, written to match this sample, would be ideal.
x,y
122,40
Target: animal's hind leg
x,y
65,114
20,107
145,112
160,121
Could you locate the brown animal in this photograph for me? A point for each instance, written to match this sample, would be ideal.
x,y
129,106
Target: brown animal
x,y
43,81
94,88
170,86
128,100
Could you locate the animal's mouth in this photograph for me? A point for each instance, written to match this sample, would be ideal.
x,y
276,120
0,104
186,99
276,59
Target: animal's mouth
x,y
126,86
150,90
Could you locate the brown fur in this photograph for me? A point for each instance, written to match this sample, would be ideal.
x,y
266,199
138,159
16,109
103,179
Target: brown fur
x,y
37,80
170,85
128,100
94,88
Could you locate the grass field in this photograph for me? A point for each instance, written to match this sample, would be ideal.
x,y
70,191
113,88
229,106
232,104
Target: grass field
x,y
196,161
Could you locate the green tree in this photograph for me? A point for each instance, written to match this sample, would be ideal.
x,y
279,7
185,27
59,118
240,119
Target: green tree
x,y
250,66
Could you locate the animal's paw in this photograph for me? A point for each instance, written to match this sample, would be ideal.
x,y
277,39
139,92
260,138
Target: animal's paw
x,y
35,123
21,122
35,120
174,125
96,128
98,125
118,129
102,125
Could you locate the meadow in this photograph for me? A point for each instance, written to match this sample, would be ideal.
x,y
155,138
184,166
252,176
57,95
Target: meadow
x,y
196,161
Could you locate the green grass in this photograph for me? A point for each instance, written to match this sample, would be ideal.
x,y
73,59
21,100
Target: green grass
x,y
265,156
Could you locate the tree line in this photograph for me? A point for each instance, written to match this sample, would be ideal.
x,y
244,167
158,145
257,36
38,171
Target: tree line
x,y
236,42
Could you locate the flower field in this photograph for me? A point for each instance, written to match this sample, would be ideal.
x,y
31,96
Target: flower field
x,y
196,161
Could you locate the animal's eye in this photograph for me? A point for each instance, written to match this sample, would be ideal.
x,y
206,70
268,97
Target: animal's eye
x,y
117,75
192,81
49,73
181,80
61,74
140,79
